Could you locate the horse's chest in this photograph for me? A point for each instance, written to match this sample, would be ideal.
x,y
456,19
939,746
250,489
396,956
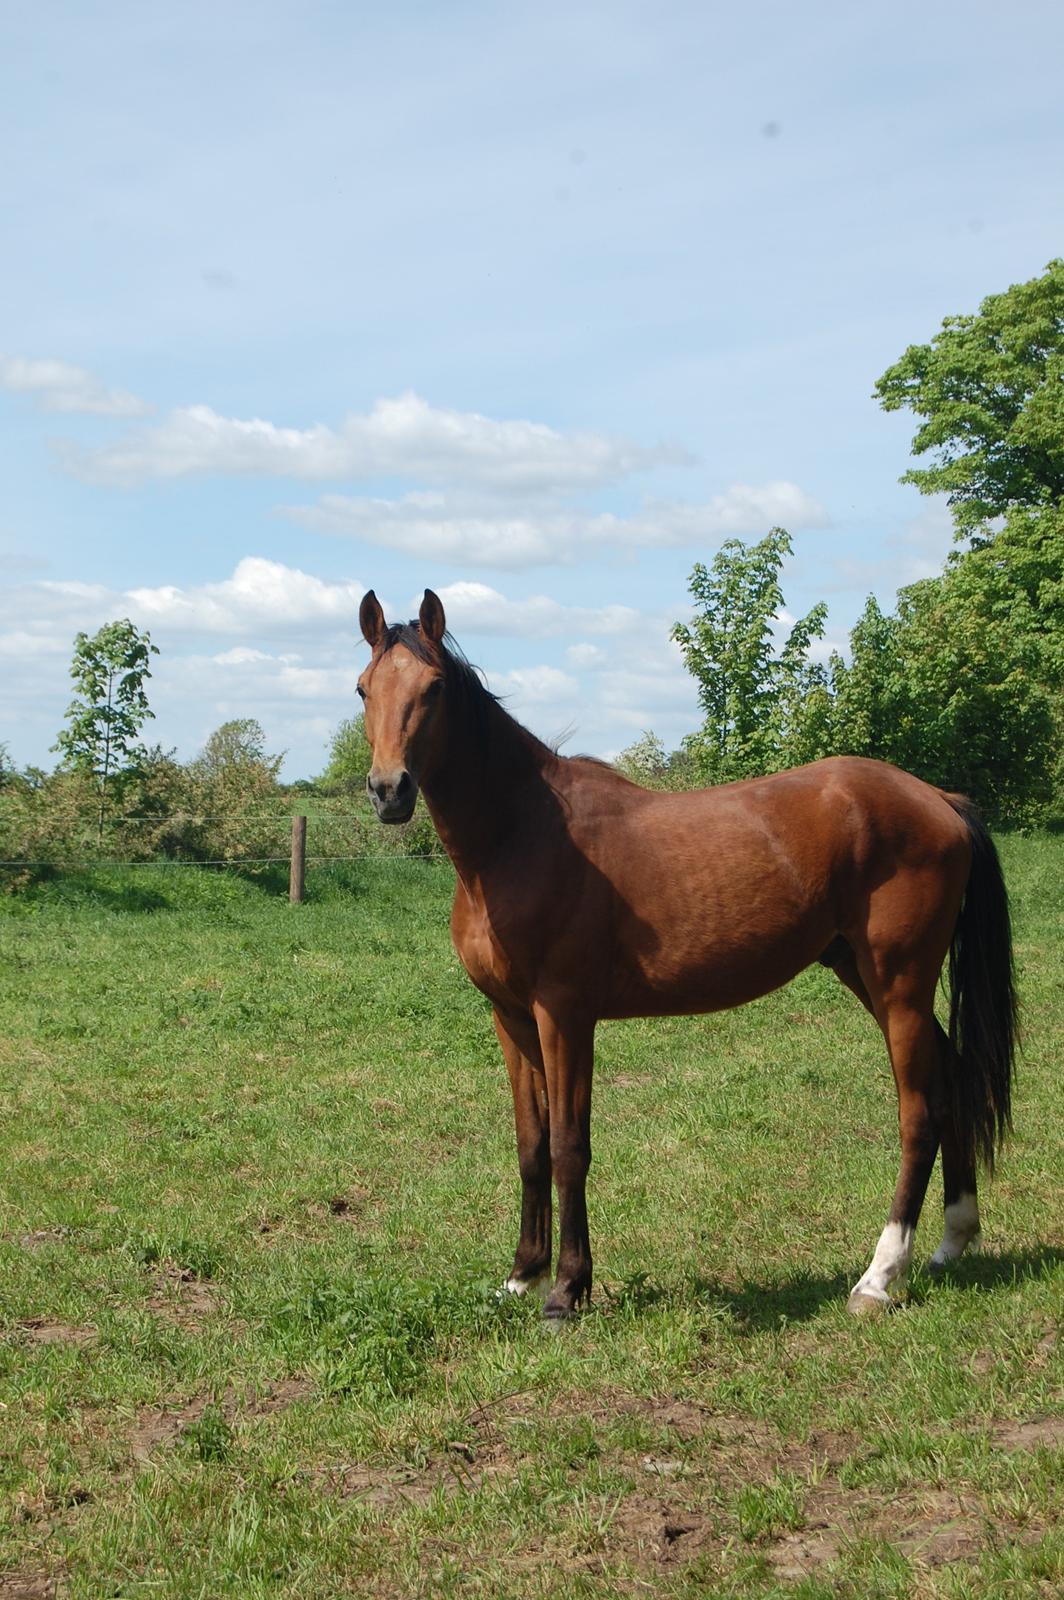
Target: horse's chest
x,y
485,958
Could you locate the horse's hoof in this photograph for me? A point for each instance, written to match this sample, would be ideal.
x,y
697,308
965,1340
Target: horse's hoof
x,y
556,1316
861,1304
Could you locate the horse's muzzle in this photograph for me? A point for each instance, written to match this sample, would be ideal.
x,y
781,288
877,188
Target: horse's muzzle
x,y
393,798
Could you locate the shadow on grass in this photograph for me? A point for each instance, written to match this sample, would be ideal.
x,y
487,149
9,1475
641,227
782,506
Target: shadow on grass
x,y
997,1270
764,1307
141,890
196,886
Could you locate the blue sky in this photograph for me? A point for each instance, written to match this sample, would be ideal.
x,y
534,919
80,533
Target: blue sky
x,y
532,305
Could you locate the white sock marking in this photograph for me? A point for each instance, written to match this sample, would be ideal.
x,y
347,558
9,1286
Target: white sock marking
x,y
890,1262
961,1230
538,1285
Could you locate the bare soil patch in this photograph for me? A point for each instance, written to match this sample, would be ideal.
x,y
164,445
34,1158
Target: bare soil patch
x,y
667,1517
40,1237
182,1298
41,1330
932,1527
1035,1432
157,1426
27,1585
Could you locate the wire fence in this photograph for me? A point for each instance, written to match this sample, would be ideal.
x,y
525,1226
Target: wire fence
x,y
163,862
244,830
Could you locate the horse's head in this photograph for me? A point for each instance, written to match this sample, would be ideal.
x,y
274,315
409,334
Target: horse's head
x,y
402,691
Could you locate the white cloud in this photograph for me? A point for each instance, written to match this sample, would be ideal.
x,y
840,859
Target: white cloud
x,y
239,656
59,386
260,594
476,608
24,644
448,528
403,437
262,599
585,657
535,685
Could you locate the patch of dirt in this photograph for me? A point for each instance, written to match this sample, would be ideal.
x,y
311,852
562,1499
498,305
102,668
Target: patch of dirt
x,y
646,1530
182,1298
1029,1435
26,1585
157,1426
349,1206
665,1518
932,1527
40,1237
43,1331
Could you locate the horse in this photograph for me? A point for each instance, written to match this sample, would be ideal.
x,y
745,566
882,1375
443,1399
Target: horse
x,y
580,896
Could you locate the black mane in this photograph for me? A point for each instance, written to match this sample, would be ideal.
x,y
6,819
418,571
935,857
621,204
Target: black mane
x,y
464,682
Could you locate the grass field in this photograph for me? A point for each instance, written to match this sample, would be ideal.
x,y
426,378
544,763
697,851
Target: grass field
x,y
258,1191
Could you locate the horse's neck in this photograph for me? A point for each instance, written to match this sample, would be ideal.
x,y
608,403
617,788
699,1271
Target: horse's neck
x,y
486,791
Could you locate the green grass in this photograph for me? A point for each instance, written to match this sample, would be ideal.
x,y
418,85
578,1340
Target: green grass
x,y
258,1190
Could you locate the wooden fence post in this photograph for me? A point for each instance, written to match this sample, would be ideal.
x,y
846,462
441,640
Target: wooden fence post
x,y
298,870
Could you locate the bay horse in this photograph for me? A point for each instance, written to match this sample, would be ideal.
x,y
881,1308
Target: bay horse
x,y
581,896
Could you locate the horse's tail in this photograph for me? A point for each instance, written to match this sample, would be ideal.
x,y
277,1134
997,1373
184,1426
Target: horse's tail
x,y
983,1020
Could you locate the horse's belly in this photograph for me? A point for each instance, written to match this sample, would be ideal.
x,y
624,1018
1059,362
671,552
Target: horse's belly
x,y
729,968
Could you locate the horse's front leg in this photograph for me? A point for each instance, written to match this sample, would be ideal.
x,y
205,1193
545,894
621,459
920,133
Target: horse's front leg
x,y
567,1041
520,1047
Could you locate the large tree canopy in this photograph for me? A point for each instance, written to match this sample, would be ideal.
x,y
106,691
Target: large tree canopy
x,y
990,389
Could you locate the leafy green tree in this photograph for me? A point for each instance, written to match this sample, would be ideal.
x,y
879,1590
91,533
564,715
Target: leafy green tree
x,y
240,743
109,670
956,686
751,692
350,758
990,391
239,811
647,762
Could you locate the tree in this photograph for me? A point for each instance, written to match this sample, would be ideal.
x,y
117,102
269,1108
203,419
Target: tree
x,y
240,743
234,790
350,758
750,691
957,685
990,389
109,671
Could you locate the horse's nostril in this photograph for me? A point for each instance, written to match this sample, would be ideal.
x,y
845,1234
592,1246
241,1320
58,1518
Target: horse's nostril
x,y
403,787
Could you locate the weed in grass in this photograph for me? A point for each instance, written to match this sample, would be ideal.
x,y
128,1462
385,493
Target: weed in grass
x,y
769,1508
209,1437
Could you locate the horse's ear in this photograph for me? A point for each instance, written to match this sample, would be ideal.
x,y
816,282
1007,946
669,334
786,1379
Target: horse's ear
x,y
431,619
371,619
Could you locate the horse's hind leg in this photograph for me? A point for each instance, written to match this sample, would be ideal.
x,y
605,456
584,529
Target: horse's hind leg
x,y
958,1171
958,1182
528,1085
909,1027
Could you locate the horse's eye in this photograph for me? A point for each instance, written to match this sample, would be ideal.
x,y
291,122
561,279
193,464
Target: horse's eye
x,y
434,688
361,691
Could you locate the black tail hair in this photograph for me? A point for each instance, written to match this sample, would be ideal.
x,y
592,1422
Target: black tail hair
x,y
983,1014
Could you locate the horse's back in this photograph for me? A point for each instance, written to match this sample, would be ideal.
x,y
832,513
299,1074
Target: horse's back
x,y
720,895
